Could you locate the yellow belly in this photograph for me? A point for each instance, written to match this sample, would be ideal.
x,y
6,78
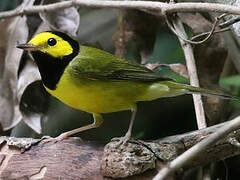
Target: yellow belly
x,y
95,96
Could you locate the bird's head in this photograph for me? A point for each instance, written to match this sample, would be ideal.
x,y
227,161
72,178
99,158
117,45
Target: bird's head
x,y
55,44
52,52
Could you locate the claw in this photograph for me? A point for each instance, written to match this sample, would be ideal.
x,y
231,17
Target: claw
x,y
122,140
47,139
62,136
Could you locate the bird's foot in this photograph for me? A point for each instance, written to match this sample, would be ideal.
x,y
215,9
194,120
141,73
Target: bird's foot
x,y
122,141
47,139
62,136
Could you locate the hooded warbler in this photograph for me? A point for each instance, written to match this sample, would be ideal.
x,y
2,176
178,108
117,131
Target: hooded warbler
x,y
96,81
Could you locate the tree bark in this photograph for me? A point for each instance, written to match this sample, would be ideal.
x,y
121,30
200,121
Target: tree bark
x,y
26,158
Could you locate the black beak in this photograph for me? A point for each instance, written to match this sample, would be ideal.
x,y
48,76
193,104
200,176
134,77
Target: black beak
x,y
28,47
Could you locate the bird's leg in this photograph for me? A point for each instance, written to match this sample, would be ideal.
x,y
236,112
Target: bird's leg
x,y
98,120
127,136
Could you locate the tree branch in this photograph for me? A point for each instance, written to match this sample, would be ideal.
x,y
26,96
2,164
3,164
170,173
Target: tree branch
x,y
163,8
72,158
192,70
191,154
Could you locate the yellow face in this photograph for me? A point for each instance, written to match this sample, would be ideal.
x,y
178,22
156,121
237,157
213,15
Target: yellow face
x,y
51,44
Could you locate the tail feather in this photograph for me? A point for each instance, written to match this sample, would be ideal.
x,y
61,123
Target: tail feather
x,y
205,92
210,93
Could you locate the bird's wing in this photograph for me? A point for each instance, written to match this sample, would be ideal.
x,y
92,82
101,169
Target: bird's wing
x,y
96,64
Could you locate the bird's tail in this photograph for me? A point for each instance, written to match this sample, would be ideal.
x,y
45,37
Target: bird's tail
x,y
196,90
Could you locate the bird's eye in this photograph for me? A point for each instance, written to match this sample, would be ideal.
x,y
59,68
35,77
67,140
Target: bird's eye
x,y
52,42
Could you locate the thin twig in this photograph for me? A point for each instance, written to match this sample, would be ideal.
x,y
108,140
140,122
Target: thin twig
x,y
210,33
178,35
207,33
163,8
191,66
189,155
229,22
217,19
192,70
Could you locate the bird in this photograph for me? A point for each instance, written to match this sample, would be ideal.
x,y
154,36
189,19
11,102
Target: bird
x,y
97,82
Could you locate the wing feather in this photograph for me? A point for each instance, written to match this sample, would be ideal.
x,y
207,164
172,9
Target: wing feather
x,y
96,64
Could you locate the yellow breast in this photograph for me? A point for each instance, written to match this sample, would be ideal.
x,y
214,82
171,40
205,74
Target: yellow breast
x,y
96,96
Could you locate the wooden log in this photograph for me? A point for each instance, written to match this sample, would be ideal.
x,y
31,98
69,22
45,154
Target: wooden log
x,y
26,158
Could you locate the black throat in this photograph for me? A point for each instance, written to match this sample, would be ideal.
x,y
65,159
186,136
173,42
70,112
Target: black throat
x,y
51,68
